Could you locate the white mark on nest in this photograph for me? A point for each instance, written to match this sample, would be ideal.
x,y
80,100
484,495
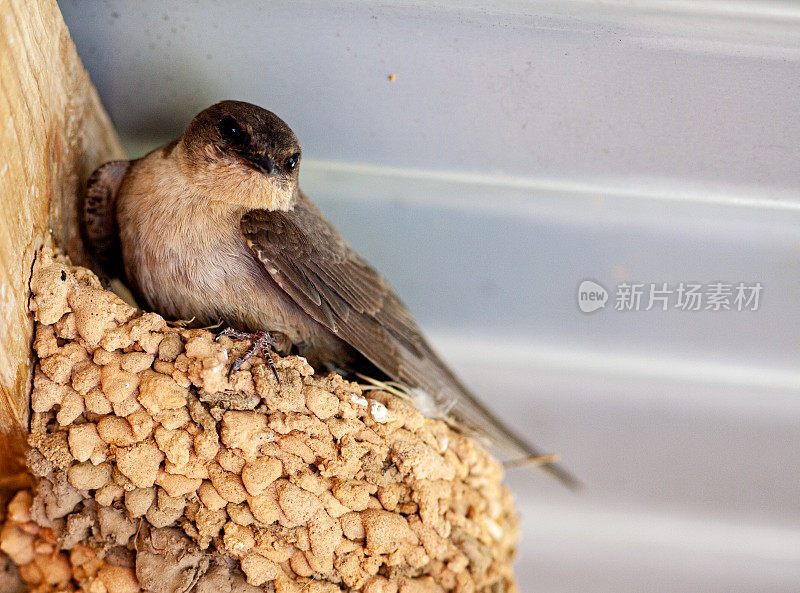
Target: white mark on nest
x,y
379,412
494,529
426,404
358,399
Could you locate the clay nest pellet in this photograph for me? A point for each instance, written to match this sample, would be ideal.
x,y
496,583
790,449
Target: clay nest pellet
x,y
156,471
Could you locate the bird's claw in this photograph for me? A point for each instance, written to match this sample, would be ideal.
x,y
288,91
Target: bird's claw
x,y
260,341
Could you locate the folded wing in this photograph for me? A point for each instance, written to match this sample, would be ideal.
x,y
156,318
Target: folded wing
x,y
310,260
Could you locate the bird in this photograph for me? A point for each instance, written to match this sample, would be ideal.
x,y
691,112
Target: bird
x,y
214,227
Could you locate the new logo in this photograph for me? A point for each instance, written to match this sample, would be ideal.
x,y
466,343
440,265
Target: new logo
x,y
591,296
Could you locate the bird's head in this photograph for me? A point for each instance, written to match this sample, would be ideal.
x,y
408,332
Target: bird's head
x,y
242,154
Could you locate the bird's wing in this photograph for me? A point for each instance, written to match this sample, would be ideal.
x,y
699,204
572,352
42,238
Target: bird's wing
x,y
98,216
311,261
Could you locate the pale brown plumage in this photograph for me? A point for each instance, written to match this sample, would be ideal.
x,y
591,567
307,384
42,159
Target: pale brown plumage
x,y
214,227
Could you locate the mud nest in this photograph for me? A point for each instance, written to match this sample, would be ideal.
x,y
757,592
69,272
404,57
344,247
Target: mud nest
x,y
156,471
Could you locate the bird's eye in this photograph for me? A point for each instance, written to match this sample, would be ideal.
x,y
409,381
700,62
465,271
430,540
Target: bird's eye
x,y
231,131
292,161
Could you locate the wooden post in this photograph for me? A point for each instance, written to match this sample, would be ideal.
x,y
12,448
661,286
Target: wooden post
x,y
54,133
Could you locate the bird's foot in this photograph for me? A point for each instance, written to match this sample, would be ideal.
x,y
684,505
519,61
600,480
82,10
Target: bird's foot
x,y
260,341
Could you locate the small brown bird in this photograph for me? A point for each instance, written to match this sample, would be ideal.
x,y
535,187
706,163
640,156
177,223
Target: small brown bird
x,y
214,227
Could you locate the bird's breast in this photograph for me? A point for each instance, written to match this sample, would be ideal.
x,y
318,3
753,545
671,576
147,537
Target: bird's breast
x,y
185,264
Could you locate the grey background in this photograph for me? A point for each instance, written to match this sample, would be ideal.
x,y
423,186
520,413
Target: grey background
x,y
523,148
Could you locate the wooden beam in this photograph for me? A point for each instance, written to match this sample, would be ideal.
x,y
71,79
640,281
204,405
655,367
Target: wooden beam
x,y
54,133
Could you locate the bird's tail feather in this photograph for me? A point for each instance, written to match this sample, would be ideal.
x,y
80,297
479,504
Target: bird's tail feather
x,y
467,410
474,417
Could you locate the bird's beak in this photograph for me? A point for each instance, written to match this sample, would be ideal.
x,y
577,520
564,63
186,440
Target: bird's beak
x,y
261,162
